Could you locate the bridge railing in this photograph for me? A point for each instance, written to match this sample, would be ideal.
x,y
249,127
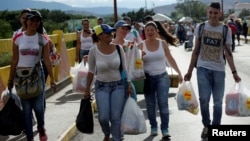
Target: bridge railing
x,y
60,71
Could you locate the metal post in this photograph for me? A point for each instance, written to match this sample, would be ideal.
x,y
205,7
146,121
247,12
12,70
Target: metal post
x,y
222,10
115,11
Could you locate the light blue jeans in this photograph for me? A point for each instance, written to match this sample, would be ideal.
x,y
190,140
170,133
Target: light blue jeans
x,y
83,53
36,104
110,100
156,91
211,82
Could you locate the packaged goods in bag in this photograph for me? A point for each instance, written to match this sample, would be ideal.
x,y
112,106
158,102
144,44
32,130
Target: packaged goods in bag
x,y
80,78
133,120
186,99
238,101
135,63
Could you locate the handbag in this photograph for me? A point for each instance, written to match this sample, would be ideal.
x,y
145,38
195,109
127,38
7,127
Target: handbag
x,y
84,119
29,81
11,118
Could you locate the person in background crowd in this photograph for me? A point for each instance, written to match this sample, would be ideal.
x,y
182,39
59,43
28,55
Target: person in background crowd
x,y
245,29
190,35
139,27
180,32
121,30
104,62
146,19
233,28
27,41
156,84
210,66
239,30
22,19
84,41
99,21
133,34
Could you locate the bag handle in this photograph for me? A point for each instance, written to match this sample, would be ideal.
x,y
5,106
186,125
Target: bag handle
x,y
119,52
40,43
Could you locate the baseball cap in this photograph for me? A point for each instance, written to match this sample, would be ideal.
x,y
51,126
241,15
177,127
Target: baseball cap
x,y
103,28
34,13
122,23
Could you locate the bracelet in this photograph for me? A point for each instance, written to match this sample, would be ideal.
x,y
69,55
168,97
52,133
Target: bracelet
x,y
233,72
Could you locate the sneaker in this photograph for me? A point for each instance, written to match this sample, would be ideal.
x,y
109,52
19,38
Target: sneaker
x,y
42,135
106,138
204,133
165,133
154,132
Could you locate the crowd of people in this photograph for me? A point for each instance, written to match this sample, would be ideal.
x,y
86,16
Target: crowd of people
x,y
100,47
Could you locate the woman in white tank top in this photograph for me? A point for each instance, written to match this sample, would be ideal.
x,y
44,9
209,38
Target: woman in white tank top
x,y
156,84
84,41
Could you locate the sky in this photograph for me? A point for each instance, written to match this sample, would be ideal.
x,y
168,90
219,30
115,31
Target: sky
x,y
120,3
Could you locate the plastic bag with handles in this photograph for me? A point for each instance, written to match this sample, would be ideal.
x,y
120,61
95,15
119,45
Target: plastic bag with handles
x,y
186,98
238,100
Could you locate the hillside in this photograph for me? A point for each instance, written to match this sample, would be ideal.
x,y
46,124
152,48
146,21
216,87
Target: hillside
x,y
97,11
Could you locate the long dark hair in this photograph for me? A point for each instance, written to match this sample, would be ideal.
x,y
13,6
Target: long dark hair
x,y
163,32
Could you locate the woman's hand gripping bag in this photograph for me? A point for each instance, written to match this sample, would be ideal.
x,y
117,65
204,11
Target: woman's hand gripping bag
x,y
186,99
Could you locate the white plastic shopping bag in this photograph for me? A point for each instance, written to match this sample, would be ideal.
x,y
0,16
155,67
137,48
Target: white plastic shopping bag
x,y
135,63
73,72
80,77
238,101
5,97
186,98
133,120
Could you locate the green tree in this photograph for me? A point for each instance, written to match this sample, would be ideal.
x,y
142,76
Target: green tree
x,y
195,10
244,13
138,15
6,30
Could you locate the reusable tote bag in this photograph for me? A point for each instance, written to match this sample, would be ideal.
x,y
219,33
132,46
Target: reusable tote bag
x,y
84,119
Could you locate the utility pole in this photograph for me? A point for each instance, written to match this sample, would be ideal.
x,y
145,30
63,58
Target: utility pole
x,y
222,10
115,11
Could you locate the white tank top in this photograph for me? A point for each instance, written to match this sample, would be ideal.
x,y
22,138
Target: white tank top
x,y
154,61
86,42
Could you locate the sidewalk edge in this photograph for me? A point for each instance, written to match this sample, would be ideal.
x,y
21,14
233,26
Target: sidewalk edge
x,y
68,134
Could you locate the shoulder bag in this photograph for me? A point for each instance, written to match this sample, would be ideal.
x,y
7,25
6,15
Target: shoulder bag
x,y
29,81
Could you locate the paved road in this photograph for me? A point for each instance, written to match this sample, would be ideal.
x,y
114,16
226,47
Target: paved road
x,y
184,126
63,107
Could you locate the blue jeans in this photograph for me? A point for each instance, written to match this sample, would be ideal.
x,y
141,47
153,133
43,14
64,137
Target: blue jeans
x,y
36,104
110,100
211,82
157,92
82,54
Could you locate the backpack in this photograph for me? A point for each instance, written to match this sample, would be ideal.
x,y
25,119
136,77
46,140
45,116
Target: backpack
x,y
233,28
201,28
